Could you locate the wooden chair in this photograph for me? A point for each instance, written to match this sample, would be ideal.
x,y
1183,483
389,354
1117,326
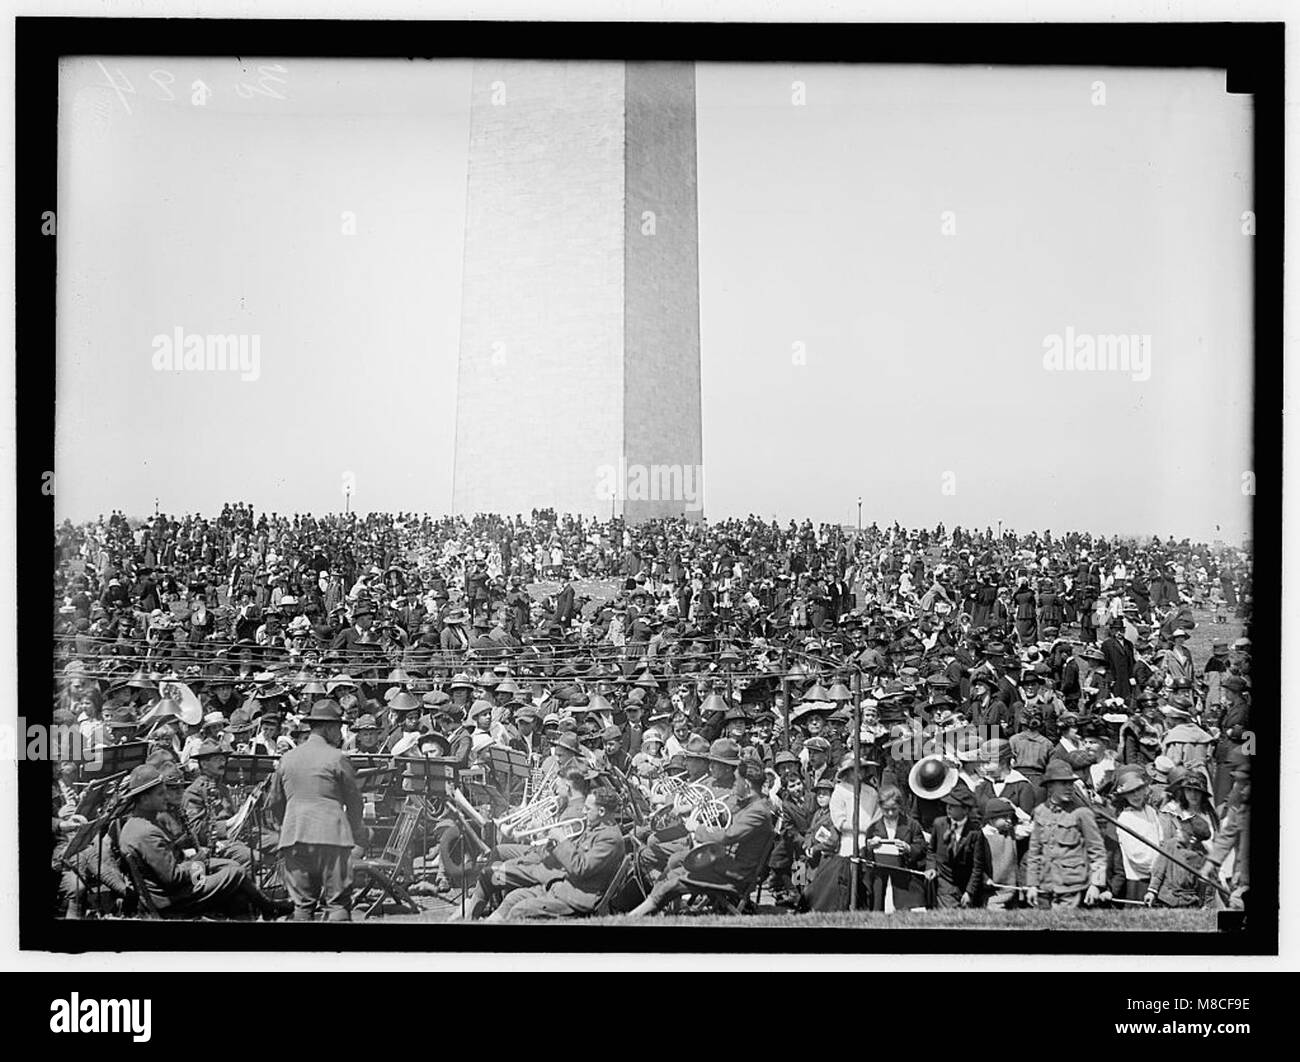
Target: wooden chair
x,y
732,898
390,867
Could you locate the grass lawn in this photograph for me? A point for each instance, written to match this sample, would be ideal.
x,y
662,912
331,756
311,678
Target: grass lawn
x,y
1169,921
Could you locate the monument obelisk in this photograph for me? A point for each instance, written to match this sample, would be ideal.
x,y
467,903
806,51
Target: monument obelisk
x,y
579,341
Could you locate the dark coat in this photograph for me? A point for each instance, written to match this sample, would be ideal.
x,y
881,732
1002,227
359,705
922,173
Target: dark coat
x,y
956,864
909,890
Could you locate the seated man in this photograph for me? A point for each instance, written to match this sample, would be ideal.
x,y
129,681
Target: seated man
x,y
590,864
521,866
208,806
185,887
742,843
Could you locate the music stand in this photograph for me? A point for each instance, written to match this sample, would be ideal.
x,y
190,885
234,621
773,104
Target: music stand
x,y
425,776
117,759
94,793
511,765
250,769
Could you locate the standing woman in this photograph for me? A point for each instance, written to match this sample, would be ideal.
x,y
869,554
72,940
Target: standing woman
x,y
895,839
1136,814
831,889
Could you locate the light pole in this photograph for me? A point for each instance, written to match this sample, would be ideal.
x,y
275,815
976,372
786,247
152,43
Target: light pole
x,y
859,515
347,500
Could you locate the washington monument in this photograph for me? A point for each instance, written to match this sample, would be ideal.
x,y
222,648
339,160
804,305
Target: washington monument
x,y
579,379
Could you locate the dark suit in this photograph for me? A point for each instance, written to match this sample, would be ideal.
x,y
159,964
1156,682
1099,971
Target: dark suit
x,y
909,890
564,607
1120,660
958,861
314,792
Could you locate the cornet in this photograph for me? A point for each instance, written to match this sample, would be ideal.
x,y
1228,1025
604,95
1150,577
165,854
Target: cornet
x,y
570,828
539,812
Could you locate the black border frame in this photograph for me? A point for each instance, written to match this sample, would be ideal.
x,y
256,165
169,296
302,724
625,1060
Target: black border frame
x,y
1252,55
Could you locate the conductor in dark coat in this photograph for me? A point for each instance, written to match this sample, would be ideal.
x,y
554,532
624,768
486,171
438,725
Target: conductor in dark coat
x,y
315,795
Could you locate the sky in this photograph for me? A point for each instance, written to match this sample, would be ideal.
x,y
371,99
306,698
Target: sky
x,y
886,254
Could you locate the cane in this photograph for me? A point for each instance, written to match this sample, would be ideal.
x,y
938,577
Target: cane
x,y
1025,888
1224,892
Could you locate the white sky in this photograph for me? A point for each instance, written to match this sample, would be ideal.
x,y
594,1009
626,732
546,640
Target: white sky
x,y
819,224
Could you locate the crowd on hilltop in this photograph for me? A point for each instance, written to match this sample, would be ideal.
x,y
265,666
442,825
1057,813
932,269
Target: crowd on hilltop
x,y
984,669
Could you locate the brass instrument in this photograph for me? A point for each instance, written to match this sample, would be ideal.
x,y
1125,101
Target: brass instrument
x,y
539,812
540,783
571,828
705,808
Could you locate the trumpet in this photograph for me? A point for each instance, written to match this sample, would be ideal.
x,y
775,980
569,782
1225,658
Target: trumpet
x,y
571,829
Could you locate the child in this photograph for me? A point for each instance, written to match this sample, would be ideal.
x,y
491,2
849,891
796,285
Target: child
x,y
999,858
1173,885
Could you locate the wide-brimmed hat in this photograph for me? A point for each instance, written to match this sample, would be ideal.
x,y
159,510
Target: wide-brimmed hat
x,y
724,750
1058,771
932,778
697,748
404,702
141,780
324,711
568,740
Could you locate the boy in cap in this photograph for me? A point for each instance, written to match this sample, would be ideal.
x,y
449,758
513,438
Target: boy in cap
x,y
999,856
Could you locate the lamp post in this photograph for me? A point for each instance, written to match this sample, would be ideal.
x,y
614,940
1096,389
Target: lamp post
x,y
347,500
859,515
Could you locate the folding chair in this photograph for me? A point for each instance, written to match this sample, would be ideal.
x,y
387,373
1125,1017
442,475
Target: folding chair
x,y
619,881
389,868
732,898
145,907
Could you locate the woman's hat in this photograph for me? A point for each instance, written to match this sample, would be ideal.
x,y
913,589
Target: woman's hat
x,y
932,778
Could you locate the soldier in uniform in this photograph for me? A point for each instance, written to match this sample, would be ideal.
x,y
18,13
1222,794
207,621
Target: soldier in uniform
x,y
315,795
1067,857
182,886
740,845
590,864
208,806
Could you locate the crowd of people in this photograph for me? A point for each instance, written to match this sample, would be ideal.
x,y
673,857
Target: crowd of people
x,y
885,718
